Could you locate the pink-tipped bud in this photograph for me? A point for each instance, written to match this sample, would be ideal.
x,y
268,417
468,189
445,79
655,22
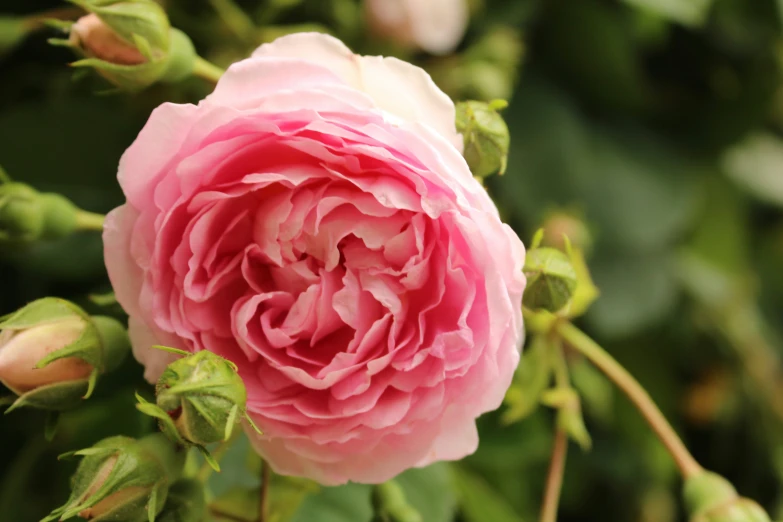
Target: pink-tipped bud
x,y
98,40
21,350
435,26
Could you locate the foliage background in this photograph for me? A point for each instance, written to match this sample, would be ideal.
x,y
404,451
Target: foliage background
x,y
657,122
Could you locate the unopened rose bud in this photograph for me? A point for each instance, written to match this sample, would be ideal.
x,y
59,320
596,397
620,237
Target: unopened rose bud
x,y
28,215
200,399
551,279
434,26
122,479
130,43
485,136
51,353
711,498
184,503
100,41
560,225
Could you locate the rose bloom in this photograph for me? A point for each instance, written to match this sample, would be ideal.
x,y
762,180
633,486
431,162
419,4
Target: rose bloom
x,y
313,221
435,26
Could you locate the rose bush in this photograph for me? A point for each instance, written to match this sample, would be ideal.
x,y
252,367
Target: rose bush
x,y
313,221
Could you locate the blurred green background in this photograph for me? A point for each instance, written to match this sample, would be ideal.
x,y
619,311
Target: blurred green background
x,y
653,127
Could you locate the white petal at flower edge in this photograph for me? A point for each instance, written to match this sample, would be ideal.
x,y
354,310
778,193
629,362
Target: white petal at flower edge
x,y
397,87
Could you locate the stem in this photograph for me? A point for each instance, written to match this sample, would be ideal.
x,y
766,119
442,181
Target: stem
x,y
262,505
89,220
634,391
206,70
554,479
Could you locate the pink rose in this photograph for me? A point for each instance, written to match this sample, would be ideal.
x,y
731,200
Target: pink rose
x,y
435,26
313,221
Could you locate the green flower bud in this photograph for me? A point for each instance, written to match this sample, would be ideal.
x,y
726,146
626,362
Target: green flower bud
x,y
184,503
51,353
711,498
121,479
485,136
200,399
130,43
28,215
390,504
551,279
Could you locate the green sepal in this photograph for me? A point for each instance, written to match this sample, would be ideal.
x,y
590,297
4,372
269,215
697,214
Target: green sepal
x,y
531,378
53,397
569,416
208,457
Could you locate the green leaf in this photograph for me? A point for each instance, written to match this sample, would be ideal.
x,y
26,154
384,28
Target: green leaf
x,y
685,12
478,501
429,490
349,503
756,165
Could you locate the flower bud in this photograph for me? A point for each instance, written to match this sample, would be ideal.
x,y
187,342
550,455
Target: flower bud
x,y
485,136
122,479
434,26
130,43
51,353
551,279
200,399
28,215
184,503
711,498
559,225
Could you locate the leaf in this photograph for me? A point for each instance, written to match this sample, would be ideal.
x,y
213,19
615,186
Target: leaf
x,y
348,503
429,490
478,501
756,165
686,12
637,291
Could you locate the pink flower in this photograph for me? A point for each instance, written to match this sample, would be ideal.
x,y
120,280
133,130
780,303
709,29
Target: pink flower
x,y
435,26
313,221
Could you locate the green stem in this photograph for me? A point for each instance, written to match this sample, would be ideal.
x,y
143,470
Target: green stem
x,y
89,220
264,494
580,342
206,70
554,480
